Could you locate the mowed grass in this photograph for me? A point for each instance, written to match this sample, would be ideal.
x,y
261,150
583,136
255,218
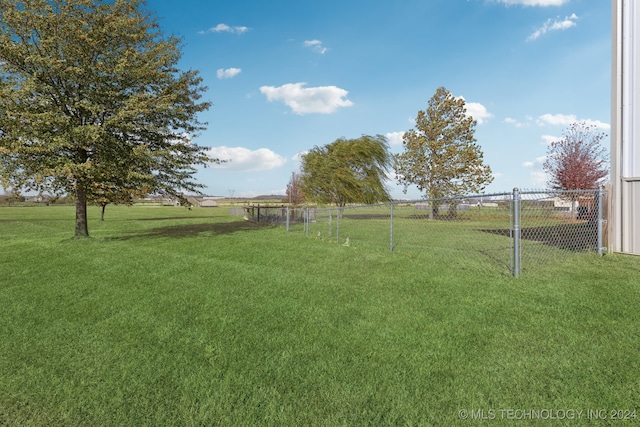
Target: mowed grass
x,y
175,317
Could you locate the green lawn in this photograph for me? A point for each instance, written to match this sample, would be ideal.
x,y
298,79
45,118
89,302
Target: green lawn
x,y
175,317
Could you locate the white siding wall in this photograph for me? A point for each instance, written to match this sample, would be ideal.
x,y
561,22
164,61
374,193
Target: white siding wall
x,y
625,127
630,90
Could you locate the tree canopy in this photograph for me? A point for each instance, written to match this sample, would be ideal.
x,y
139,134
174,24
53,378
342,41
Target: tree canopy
x,y
440,155
577,161
347,171
92,102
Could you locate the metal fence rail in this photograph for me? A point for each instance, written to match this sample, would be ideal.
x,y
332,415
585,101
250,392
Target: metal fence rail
x,y
518,230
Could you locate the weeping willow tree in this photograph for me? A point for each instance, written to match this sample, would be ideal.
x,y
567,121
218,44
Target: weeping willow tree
x,y
347,171
92,103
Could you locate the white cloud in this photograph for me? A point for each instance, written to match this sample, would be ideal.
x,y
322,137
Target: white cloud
x,y
539,179
556,119
568,119
224,28
516,123
297,158
321,99
245,160
549,25
478,112
395,138
542,3
548,139
316,46
597,123
391,177
228,73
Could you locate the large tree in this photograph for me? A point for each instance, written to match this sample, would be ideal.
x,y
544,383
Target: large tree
x,y
92,102
577,161
347,171
440,155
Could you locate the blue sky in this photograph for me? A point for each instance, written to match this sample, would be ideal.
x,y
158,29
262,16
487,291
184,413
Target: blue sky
x,y
287,75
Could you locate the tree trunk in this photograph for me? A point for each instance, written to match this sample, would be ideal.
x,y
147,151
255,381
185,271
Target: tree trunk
x,y
104,205
82,230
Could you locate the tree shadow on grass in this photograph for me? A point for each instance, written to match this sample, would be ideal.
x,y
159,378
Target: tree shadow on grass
x,y
445,217
164,218
366,216
578,237
193,230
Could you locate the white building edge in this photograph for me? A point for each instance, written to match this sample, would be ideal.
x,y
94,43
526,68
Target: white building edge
x,y
624,227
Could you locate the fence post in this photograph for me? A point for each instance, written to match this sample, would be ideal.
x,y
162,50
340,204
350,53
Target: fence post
x,y
288,218
516,232
338,226
600,220
306,221
391,229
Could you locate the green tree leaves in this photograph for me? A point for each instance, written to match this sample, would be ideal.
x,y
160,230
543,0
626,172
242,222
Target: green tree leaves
x,y
92,102
347,171
440,155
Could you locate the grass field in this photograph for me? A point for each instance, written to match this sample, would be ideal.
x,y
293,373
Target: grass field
x,y
175,317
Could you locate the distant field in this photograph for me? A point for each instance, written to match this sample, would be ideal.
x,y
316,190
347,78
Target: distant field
x,y
169,316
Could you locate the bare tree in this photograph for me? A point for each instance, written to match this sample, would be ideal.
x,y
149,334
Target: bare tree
x,y
294,192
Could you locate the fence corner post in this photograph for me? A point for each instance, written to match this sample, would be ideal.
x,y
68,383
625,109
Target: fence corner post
x,y
516,232
599,198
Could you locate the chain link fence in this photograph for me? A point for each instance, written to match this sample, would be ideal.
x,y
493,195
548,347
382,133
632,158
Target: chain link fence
x,y
518,230
552,223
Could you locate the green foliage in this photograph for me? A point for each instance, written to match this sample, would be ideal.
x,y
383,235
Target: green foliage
x,y
440,155
92,102
347,171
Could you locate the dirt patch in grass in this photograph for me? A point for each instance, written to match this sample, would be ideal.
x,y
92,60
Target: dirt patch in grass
x,y
573,237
